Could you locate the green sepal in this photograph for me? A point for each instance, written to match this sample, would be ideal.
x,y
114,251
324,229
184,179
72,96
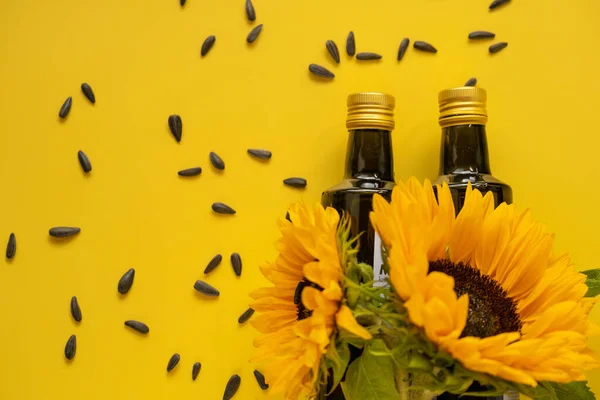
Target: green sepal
x,y
592,282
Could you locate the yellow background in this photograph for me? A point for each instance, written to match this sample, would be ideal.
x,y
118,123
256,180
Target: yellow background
x,y
142,59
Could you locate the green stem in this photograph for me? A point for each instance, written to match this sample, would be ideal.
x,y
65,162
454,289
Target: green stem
x,y
404,381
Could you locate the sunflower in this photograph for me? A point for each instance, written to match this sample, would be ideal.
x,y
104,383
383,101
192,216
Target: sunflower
x,y
303,308
484,286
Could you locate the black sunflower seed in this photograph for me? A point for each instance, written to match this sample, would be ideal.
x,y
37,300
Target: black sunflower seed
x,y
71,347
88,92
295,182
402,49
216,161
65,108
190,171
173,361
75,309
232,387
182,2
471,82
260,153
236,263
84,161
196,370
365,56
424,46
350,44
207,45
214,263
481,35
11,246
222,208
245,316
250,13
260,378
496,47
63,231
176,126
126,281
320,71
498,3
333,50
206,289
138,326
253,35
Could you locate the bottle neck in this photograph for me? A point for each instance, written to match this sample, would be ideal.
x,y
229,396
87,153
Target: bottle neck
x,y
369,155
464,150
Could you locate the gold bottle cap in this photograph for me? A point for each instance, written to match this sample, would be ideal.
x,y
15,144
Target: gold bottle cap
x,y
462,106
370,111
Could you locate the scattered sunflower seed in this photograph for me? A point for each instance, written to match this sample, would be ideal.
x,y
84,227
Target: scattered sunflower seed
x,y
232,387
236,263
481,35
222,208
424,46
126,281
295,182
63,231
365,56
173,361
320,71
65,108
182,2
212,264
245,316
75,309
138,326
84,161
496,47
196,370
253,35
11,246
250,13
190,171
206,289
207,45
216,161
333,50
471,82
71,347
260,153
176,126
402,49
88,92
350,44
498,3
260,378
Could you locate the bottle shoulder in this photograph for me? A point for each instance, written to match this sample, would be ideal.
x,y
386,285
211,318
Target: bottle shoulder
x,y
476,180
374,185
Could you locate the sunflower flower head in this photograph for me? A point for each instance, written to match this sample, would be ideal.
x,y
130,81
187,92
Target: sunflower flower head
x,y
485,289
303,310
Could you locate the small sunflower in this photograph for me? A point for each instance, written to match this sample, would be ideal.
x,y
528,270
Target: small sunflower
x,y
484,286
303,308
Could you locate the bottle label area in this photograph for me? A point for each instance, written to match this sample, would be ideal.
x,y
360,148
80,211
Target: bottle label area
x,y
380,277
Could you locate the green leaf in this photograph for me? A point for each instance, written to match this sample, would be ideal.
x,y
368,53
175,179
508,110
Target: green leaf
x,y
371,377
573,391
592,282
338,360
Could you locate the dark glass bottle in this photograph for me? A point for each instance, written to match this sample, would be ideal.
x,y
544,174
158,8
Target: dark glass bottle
x,y
464,158
369,170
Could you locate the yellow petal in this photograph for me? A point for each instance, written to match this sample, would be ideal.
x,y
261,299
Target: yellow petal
x,y
346,320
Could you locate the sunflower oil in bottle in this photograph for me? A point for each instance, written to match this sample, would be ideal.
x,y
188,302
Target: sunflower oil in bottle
x,y
464,155
369,171
464,159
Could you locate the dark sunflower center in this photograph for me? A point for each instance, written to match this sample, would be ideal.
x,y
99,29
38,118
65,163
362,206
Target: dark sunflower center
x,y
491,311
302,311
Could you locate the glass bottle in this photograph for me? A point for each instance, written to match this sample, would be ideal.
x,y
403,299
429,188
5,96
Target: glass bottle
x,y
464,158
369,170
464,153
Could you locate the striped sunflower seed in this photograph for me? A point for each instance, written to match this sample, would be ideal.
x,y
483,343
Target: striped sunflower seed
x,y
138,326
207,45
190,172
424,46
402,49
476,35
236,263
471,82
250,13
84,161
71,347
498,3
88,92
196,370
75,309
212,264
333,50
176,126
11,246
366,56
63,231
260,153
206,289
260,378
65,108
222,208
350,44
126,281
245,316
232,387
295,182
216,161
173,361
496,47
253,35
321,71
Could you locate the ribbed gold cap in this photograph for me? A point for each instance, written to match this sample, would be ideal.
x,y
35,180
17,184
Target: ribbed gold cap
x,y
370,111
462,106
